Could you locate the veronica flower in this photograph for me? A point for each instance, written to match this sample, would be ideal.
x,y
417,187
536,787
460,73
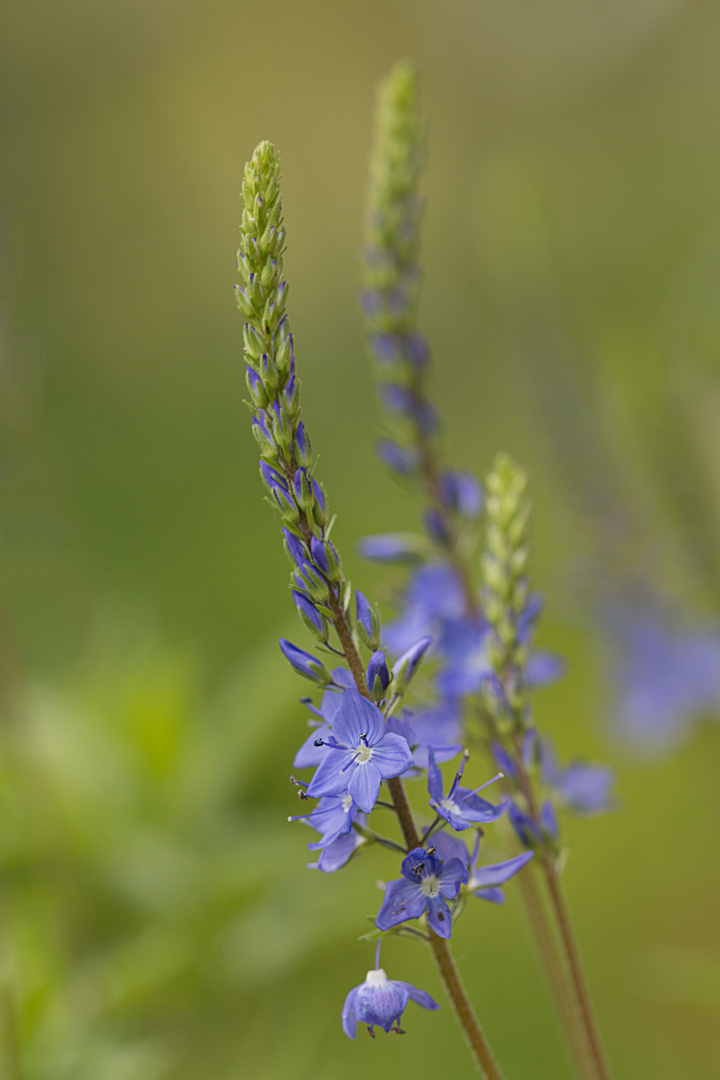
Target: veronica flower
x,y
433,597
380,1002
437,727
426,885
332,817
581,787
310,753
461,807
336,855
360,753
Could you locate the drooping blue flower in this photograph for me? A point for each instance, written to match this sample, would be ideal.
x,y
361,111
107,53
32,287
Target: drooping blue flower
x,y
380,1002
461,807
360,753
426,885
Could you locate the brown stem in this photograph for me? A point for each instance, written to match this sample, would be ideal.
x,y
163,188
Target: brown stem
x,y
574,961
555,969
454,988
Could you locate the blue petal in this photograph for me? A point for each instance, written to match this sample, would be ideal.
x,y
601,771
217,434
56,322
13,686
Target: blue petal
x,y
500,872
418,996
403,900
439,916
382,1003
357,716
328,778
435,780
493,896
391,755
453,874
364,785
349,1020
309,756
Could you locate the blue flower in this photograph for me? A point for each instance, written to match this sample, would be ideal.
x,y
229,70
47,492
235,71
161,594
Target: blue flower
x,y
666,674
397,457
360,753
437,727
461,807
434,596
461,493
380,1002
426,885
336,855
392,547
333,817
583,788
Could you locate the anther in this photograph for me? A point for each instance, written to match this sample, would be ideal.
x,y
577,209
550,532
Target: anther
x,y
319,742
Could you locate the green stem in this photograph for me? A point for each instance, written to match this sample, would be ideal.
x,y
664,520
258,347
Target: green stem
x,y
555,970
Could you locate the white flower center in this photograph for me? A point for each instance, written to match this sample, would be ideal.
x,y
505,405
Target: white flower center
x,y
364,753
450,805
376,978
347,803
430,885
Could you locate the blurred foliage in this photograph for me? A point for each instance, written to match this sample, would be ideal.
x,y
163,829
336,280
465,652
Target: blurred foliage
x,y
155,917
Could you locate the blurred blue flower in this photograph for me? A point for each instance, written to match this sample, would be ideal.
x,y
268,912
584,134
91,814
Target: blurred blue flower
x,y
666,676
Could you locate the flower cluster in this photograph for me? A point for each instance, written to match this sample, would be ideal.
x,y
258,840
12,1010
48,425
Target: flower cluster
x,y
362,735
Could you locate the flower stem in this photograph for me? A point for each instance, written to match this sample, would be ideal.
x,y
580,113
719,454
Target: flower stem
x,y
575,967
478,1044
555,969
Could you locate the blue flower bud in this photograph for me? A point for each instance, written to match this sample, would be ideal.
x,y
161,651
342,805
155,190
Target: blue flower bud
x,y
262,434
407,665
378,675
525,828
272,477
292,396
303,450
436,527
326,558
286,504
417,350
294,547
548,820
305,664
363,612
310,615
398,458
256,388
461,493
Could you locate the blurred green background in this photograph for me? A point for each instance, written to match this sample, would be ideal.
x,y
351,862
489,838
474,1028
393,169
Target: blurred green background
x,y
156,920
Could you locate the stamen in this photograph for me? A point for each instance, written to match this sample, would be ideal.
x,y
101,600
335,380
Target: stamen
x,y
486,784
